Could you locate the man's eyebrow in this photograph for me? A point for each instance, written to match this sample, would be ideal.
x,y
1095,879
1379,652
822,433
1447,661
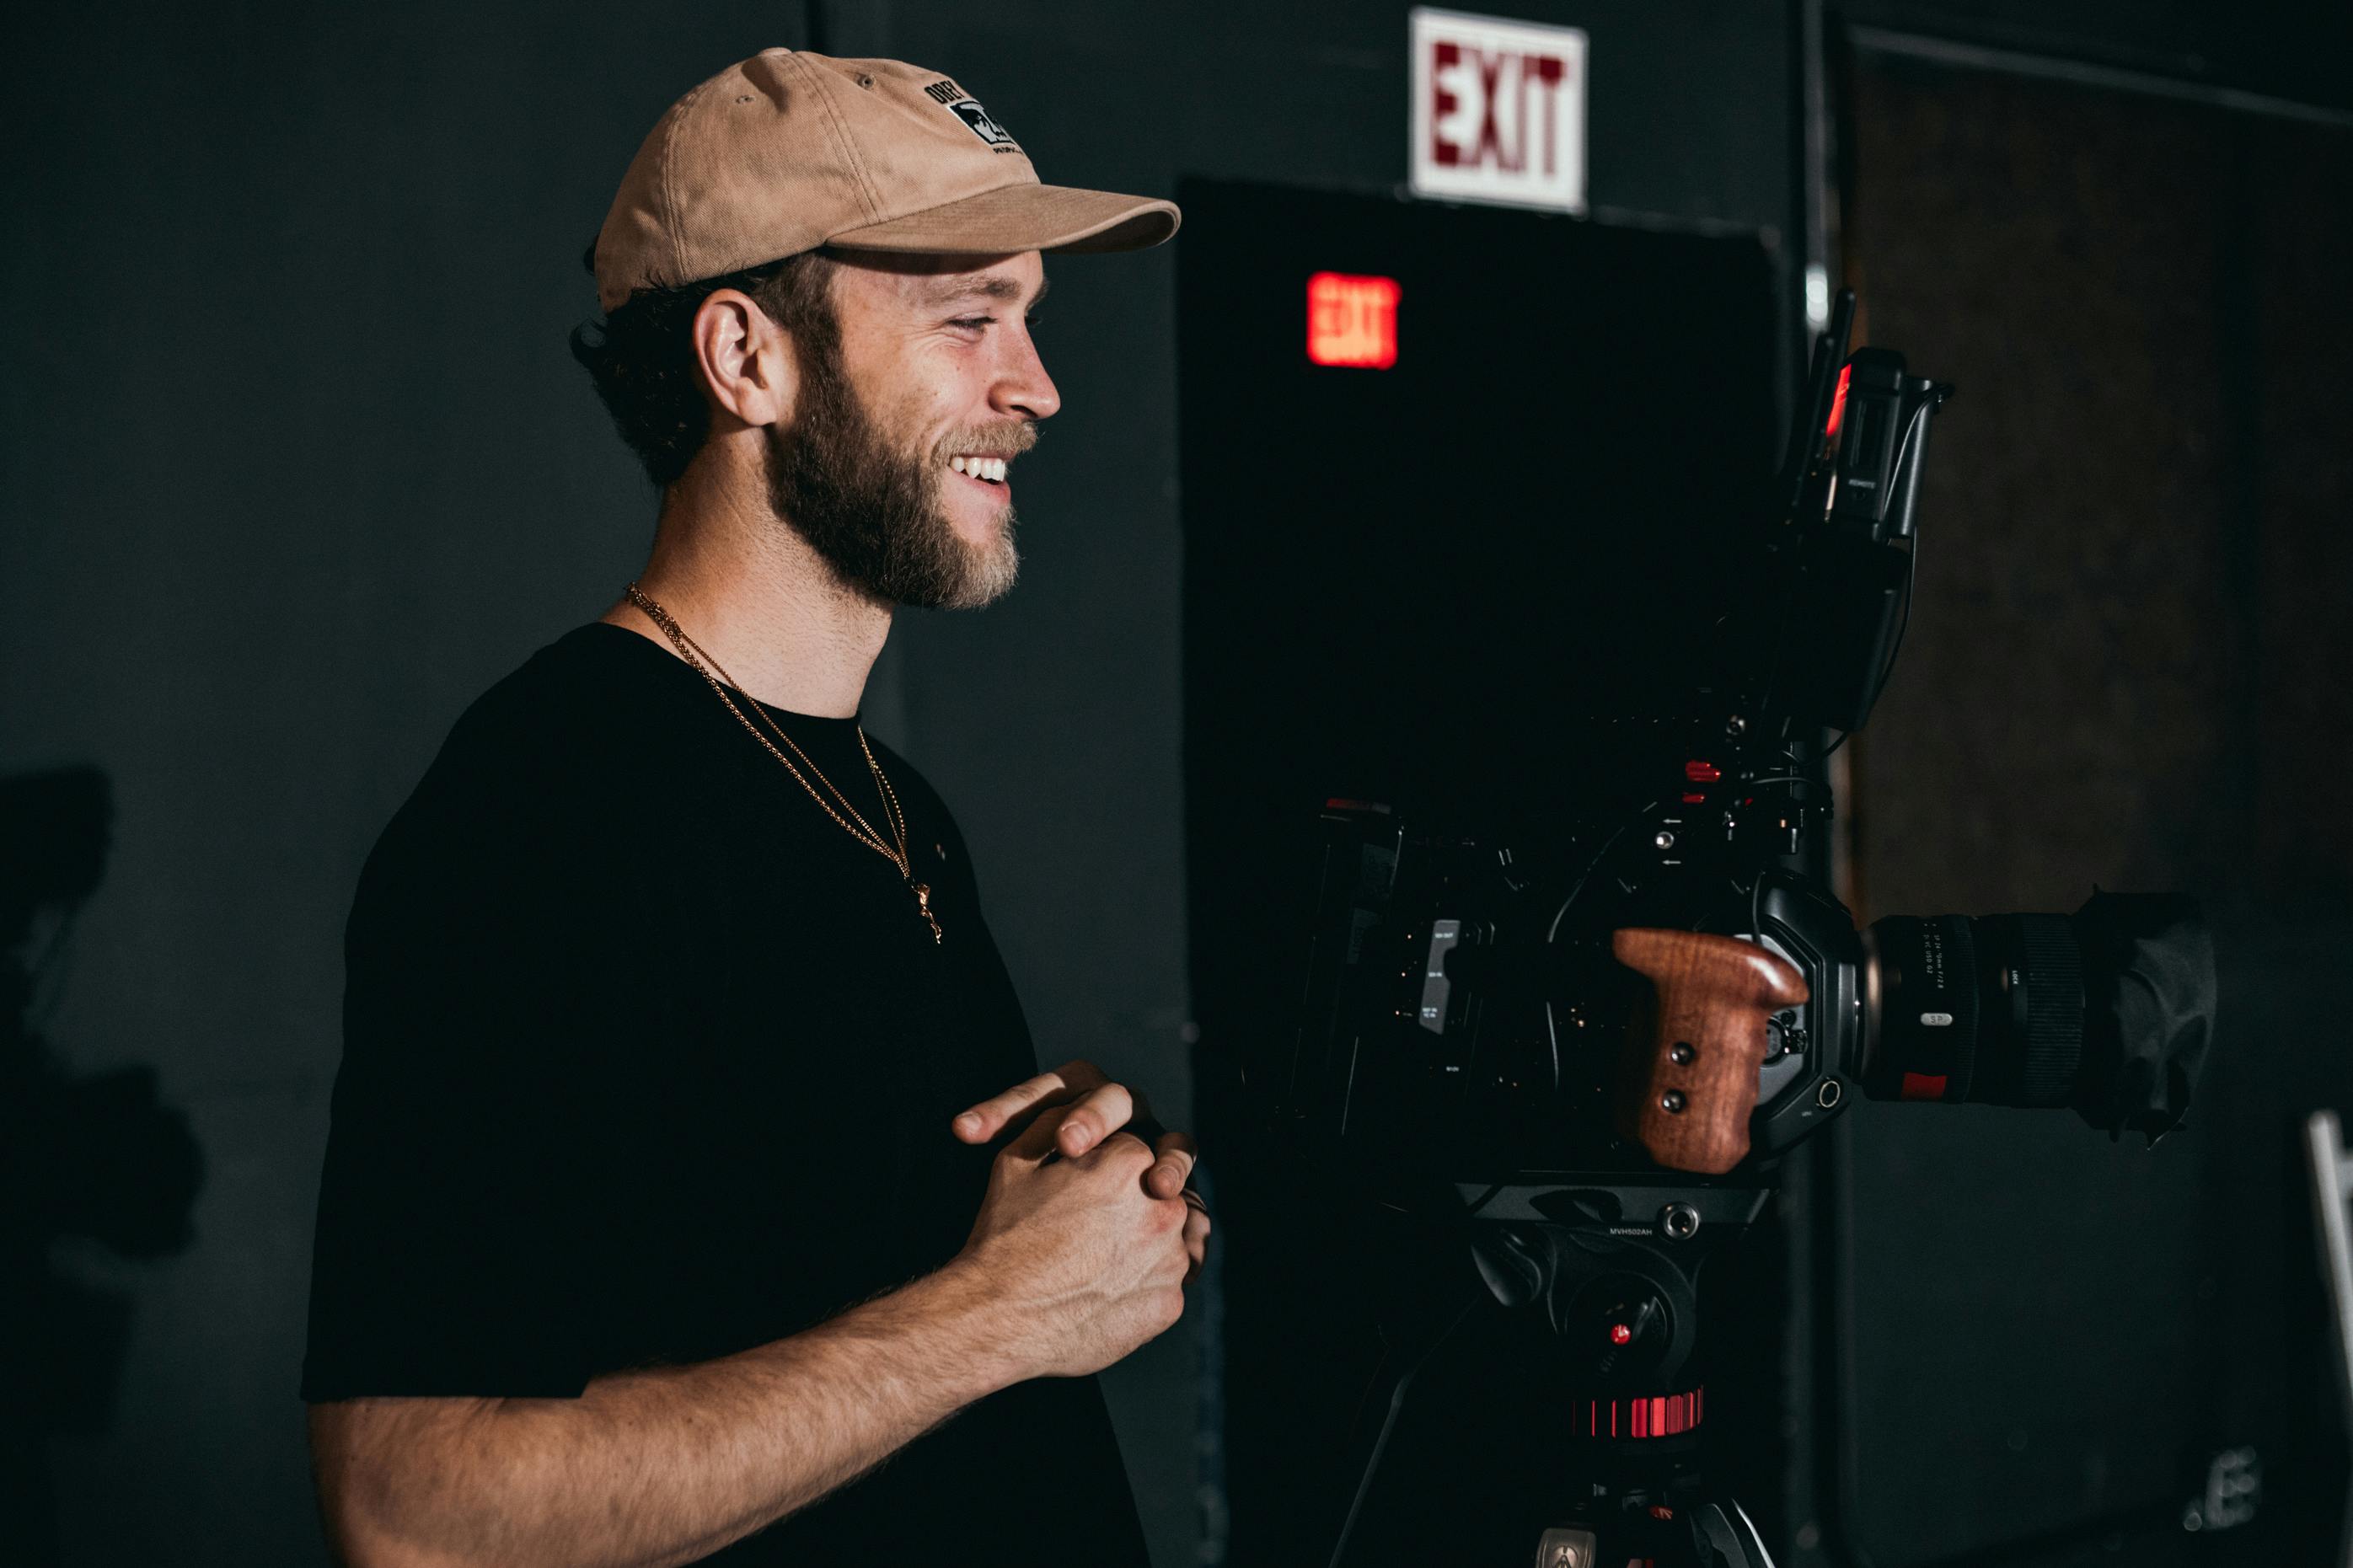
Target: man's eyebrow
x,y
986,287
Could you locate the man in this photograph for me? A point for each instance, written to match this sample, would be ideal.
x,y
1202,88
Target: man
x,y
659,1208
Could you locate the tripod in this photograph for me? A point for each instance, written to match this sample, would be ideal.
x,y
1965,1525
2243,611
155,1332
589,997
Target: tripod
x,y
1577,1320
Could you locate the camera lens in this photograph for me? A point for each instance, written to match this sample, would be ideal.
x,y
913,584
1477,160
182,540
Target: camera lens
x,y
1988,1008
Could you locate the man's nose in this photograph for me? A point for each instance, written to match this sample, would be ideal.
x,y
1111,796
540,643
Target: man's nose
x,y
1025,388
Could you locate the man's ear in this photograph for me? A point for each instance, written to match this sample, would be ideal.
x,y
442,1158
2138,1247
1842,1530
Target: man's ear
x,y
747,359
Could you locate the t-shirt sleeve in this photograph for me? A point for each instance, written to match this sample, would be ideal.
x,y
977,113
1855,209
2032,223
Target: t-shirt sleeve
x,y
486,975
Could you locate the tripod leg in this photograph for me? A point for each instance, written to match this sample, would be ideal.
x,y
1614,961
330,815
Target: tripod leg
x,y
1723,1536
1390,1381
2332,1183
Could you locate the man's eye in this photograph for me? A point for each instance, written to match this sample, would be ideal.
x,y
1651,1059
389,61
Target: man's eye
x,y
971,323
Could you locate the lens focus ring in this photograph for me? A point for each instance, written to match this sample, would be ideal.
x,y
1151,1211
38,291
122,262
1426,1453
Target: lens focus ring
x,y
2054,1046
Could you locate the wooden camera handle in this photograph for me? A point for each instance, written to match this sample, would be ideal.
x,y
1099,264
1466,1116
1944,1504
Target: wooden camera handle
x,y
1688,1080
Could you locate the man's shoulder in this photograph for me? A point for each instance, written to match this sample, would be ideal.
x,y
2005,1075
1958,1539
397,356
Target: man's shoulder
x,y
546,746
566,697
577,701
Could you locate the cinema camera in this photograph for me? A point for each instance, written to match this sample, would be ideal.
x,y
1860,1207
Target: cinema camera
x,y
1585,1037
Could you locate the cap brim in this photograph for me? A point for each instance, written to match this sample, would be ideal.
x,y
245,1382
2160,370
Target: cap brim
x,y
1023,218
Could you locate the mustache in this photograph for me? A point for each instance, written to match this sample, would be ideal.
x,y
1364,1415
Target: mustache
x,y
1006,436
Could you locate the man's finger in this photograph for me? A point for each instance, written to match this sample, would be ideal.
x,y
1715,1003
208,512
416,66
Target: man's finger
x,y
1169,1173
1095,1116
1197,1242
984,1122
1037,1140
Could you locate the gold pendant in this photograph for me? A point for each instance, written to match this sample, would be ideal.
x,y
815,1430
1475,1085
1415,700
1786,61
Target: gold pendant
x,y
924,908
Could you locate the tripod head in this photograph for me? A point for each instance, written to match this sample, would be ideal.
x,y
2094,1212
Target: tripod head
x,y
1578,1318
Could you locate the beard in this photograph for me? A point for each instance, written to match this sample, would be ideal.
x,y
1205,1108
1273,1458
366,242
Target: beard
x,y
873,510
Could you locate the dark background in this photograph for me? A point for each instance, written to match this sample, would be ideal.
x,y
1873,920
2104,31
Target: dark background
x,y
295,463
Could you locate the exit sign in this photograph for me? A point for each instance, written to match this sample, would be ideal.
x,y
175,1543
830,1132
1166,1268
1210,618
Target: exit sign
x,y
1351,320
1498,111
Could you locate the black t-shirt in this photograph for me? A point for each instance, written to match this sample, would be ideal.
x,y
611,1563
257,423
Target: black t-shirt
x,y
647,1061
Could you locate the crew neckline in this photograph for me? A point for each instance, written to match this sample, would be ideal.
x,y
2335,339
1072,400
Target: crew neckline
x,y
783,715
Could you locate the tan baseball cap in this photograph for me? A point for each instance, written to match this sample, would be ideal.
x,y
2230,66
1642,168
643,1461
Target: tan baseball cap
x,y
789,151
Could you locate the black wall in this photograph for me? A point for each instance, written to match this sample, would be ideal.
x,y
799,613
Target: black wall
x,y
1419,592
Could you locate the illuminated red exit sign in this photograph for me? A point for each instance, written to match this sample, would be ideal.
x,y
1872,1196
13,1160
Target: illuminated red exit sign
x,y
1351,320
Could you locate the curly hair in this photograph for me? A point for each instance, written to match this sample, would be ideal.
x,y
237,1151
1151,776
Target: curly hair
x,y
641,355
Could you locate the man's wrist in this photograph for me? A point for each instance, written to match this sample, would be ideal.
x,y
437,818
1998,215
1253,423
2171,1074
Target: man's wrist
x,y
966,1308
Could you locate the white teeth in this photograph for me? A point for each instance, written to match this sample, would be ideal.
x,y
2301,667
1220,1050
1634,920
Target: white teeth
x,y
981,468
956,463
996,469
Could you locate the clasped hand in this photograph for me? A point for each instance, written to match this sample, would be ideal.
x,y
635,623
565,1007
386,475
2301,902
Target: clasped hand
x,y
1078,1107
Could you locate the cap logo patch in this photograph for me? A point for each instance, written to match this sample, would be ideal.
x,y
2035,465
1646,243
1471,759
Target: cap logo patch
x,y
968,110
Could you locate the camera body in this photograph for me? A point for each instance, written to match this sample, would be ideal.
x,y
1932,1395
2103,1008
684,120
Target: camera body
x,y
1465,1016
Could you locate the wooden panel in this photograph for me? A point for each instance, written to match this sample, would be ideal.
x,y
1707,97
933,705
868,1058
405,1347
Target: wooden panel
x,y
2129,663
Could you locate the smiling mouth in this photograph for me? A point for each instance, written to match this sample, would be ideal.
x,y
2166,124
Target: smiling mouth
x,y
989,470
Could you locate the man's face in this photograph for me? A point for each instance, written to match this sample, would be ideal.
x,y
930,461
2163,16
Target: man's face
x,y
892,466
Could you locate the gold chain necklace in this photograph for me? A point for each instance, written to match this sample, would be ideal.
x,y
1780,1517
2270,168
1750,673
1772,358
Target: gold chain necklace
x,y
857,826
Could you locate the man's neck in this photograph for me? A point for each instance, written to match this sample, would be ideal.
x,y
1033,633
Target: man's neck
x,y
761,602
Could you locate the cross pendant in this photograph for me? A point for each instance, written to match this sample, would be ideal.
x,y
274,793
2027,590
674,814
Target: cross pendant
x,y
923,907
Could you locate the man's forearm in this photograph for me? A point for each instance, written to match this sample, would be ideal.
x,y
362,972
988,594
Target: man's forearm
x,y
659,1466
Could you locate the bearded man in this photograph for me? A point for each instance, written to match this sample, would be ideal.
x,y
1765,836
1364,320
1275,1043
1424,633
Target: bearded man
x,y
675,1181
